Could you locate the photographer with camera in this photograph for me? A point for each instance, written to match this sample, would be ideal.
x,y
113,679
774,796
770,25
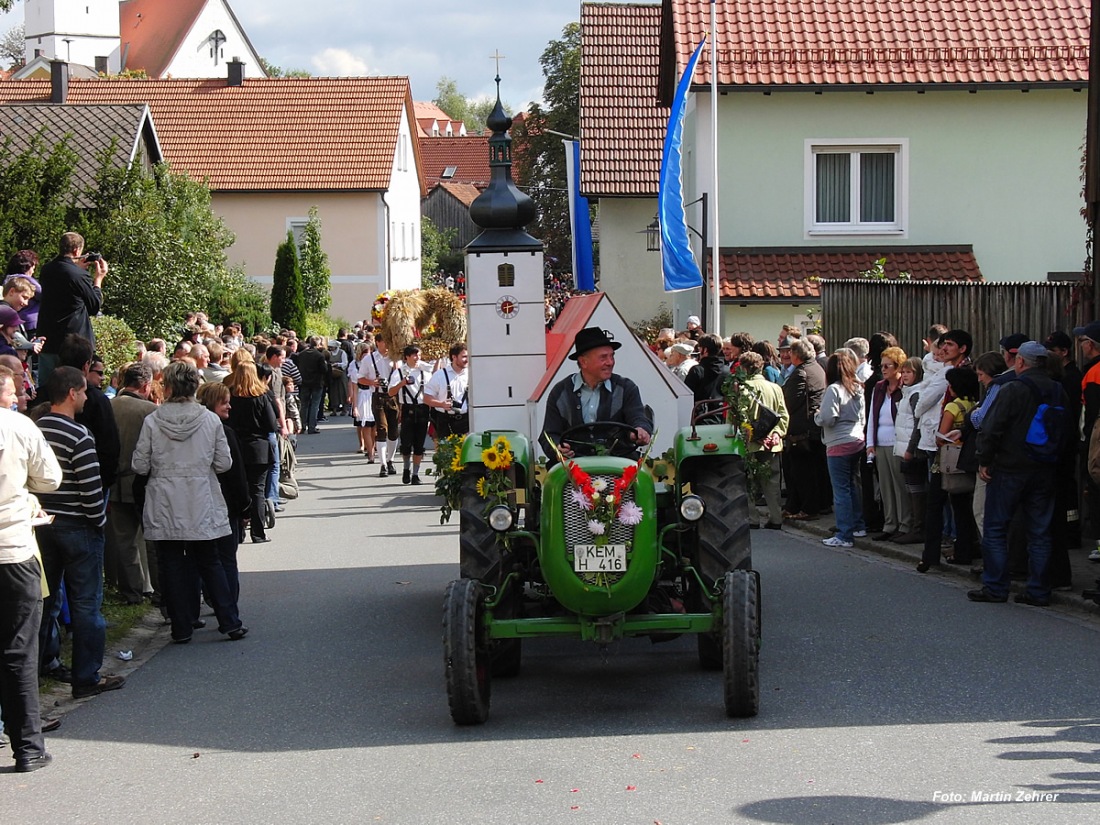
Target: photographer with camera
x,y
71,296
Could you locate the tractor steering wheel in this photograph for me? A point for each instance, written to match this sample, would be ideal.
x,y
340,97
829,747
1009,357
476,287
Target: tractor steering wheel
x,y
601,438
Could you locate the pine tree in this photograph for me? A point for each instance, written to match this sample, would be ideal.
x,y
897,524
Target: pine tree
x,y
316,275
288,306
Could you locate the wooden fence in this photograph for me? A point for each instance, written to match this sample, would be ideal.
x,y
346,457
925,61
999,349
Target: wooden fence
x,y
988,311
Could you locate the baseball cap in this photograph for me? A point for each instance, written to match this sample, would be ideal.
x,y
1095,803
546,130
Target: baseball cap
x,y
1088,331
1011,343
1058,339
1032,350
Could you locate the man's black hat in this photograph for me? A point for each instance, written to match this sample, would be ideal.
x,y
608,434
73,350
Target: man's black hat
x,y
1011,343
590,338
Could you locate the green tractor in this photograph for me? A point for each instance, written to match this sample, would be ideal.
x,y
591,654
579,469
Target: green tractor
x,y
597,549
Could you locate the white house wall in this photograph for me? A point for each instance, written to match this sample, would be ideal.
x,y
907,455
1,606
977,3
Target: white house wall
x,y
193,59
996,169
91,25
403,200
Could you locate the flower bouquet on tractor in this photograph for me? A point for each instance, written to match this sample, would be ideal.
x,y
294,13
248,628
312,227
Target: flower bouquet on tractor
x,y
599,547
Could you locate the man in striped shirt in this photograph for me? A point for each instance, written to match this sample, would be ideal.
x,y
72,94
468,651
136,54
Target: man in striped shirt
x,y
72,547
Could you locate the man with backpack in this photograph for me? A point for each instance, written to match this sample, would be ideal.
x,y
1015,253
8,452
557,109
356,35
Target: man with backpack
x,y
1019,445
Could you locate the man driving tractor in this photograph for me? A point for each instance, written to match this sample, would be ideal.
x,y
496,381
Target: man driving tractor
x,y
593,394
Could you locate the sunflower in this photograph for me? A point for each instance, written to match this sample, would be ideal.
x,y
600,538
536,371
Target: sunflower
x,y
492,458
456,463
503,444
481,485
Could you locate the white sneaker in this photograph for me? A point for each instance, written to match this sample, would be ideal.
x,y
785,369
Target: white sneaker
x,y
860,534
837,541
1095,555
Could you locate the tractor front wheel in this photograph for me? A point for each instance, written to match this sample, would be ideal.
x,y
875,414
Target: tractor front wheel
x,y
466,652
741,643
724,529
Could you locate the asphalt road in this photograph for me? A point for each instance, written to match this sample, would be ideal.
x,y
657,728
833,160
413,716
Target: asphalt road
x,y
887,697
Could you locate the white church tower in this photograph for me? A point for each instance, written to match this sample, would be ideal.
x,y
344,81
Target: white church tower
x,y
504,295
76,31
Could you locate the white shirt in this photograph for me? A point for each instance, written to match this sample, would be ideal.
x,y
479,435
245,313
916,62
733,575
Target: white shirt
x,y
27,464
447,378
414,392
374,366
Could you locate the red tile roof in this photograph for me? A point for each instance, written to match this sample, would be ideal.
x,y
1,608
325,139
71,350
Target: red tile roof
x,y
469,154
288,134
622,125
428,113
152,31
886,42
792,273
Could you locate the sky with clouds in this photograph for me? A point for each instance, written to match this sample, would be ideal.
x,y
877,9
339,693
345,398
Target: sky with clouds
x,y
423,39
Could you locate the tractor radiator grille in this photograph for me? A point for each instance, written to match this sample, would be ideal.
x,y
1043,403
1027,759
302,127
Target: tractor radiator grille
x,y
576,531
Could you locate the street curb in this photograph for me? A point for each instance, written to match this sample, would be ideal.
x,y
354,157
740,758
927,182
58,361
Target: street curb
x,y
901,552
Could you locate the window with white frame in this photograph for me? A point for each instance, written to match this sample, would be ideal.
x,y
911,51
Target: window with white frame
x,y
298,227
856,187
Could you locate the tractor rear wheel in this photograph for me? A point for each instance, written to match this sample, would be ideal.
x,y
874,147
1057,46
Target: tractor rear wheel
x,y
479,552
741,643
723,534
466,652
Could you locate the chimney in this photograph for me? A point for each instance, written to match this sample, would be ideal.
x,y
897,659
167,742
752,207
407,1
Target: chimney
x,y
101,65
236,72
59,81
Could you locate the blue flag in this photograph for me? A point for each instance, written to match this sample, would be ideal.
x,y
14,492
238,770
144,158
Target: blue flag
x,y
580,224
678,263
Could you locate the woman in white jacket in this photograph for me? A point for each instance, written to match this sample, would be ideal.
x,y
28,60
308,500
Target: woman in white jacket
x,y
181,449
843,421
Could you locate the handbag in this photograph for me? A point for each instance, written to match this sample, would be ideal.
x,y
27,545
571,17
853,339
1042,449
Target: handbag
x,y
954,479
764,423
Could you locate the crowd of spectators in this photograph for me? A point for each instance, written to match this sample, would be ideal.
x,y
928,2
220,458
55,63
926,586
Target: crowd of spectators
x,y
977,458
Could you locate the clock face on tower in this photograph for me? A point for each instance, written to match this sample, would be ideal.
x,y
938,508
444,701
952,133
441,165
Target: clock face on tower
x,y
507,307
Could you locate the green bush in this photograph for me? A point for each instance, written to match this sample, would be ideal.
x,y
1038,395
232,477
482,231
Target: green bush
x,y
321,323
115,343
235,297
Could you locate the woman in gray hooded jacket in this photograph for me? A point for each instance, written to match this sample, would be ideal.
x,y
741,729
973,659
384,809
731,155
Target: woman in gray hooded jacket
x,y
181,449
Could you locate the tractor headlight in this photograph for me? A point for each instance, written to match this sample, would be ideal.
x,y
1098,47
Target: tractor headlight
x,y
691,508
501,518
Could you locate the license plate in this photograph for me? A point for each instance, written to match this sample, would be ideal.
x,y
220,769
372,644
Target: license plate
x,y
592,558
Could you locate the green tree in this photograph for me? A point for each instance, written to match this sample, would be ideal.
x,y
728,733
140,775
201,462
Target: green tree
x,y
165,245
278,71
473,112
288,305
451,100
13,48
539,155
36,195
436,250
316,275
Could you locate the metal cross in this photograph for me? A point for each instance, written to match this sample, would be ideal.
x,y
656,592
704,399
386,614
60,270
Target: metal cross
x,y
497,56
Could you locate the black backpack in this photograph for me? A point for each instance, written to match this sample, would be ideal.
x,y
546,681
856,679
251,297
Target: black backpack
x,y
1046,433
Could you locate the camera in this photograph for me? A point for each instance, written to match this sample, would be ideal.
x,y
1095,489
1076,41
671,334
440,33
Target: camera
x,y
92,257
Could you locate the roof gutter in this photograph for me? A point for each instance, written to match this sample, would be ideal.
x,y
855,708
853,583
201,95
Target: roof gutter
x,y
388,245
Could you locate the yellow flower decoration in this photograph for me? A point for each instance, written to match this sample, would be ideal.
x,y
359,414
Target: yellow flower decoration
x,y
491,458
481,491
456,464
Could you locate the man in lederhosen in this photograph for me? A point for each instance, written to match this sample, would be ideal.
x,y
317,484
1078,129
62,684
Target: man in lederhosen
x,y
374,370
447,393
406,384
